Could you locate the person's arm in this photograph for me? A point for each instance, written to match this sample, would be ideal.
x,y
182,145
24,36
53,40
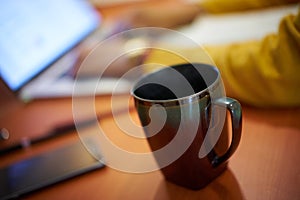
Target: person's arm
x,y
260,73
263,73
223,6
170,14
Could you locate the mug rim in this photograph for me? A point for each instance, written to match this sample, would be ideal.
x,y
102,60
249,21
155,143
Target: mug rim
x,y
180,100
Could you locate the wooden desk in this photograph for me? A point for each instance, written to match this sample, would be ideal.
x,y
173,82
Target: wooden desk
x,y
265,166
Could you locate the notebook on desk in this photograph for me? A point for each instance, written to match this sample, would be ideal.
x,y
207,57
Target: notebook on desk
x,y
37,41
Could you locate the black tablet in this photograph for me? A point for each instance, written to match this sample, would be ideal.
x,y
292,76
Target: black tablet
x,y
46,169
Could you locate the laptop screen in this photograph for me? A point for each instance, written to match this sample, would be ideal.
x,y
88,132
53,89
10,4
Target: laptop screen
x,y
33,34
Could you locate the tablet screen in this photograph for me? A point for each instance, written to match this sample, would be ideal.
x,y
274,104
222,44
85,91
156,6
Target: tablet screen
x,y
46,169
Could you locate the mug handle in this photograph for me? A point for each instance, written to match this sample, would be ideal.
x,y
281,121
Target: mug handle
x,y
235,109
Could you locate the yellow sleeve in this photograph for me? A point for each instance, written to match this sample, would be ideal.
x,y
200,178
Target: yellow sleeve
x,y
260,73
263,73
221,6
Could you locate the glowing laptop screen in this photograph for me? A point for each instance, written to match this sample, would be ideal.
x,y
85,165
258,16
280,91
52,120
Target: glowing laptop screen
x,y
33,34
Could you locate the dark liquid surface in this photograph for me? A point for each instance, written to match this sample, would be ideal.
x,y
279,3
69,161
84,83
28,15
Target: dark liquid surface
x,y
172,83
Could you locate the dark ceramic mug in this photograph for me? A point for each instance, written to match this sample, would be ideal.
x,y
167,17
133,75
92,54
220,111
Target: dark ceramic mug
x,y
182,109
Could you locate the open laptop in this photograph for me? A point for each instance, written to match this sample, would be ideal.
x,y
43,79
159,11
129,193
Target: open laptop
x,y
37,41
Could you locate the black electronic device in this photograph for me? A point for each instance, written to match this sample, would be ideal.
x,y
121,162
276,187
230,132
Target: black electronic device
x,y
46,169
